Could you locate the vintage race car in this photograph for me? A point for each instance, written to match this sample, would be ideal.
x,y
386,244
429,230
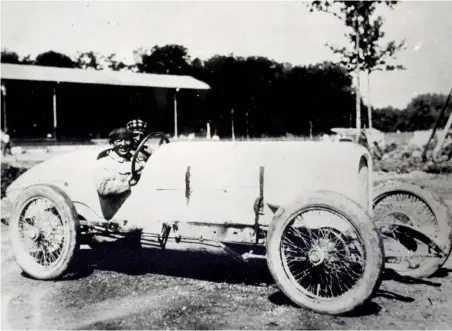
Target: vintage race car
x,y
305,207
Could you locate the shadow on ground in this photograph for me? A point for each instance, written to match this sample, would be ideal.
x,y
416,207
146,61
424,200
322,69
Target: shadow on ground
x,y
369,308
390,274
129,259
441,273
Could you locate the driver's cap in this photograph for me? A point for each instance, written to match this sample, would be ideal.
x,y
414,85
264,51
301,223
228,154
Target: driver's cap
x,y
137,125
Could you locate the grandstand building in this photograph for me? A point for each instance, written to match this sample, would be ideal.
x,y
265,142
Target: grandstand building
x,y
62,104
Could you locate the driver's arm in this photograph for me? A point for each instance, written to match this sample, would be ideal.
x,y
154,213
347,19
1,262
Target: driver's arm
x,y
110,181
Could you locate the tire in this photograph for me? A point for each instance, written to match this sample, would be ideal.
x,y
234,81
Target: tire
x,y
372,252
435,207
70,231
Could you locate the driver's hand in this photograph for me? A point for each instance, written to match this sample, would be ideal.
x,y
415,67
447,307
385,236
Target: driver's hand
x,y
140,170
131,180
129,177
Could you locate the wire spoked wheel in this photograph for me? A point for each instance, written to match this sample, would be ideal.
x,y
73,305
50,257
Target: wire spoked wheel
x,y
323,262
325,253
44,231
415,226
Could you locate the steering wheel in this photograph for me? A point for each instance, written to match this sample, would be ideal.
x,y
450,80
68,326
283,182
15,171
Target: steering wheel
x,y
163,138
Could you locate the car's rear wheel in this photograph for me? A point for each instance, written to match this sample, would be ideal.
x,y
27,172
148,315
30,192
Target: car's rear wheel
x,y
44,232
416,228
325,253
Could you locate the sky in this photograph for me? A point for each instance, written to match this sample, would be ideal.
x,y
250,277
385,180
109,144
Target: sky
x,y
284,31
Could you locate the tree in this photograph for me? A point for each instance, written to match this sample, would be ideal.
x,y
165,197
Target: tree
x,y
387,119
169,59
9,57
89,60
114,64
54,59
13,58
27,60
420,114
366,55
424,109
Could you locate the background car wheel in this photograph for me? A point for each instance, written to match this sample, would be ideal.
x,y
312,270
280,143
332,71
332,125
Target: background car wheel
x,y
416,228
44,232
325,253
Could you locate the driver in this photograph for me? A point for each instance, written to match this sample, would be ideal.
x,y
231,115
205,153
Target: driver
x,y
138,128
113,175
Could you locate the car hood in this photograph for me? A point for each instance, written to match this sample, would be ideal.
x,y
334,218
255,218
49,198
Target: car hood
x,y
63,168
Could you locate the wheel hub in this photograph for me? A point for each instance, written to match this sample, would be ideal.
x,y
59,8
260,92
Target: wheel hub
x,y
316,256
32,233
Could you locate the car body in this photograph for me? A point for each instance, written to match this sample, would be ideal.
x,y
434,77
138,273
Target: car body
x,y
224,181
305,207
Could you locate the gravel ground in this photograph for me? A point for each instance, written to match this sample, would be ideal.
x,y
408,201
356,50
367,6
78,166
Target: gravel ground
x,y
177,290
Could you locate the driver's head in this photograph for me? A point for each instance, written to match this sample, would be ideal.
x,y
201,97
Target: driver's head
x,y
121,139
138,128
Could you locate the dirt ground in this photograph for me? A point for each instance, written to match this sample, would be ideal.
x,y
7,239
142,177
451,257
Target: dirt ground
x,y
175,290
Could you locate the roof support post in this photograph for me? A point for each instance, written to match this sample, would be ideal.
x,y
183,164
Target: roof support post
x,y
5,126
232,125
175,114
54,108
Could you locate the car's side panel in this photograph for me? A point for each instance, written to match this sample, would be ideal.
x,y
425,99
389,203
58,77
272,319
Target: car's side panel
x,y
224,179
212,182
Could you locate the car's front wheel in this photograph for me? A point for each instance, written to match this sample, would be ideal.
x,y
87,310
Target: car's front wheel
x,y
44,232
325,253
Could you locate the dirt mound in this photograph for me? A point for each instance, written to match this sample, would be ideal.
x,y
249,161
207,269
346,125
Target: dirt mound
x,y
409,158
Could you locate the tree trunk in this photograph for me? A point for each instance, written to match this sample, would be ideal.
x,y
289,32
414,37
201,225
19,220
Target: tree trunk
x,y
369,106
358,103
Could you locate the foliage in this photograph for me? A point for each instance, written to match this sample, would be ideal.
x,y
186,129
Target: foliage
x,y
169,59
9,57
263,97
420,114
54,59
359,17
89,60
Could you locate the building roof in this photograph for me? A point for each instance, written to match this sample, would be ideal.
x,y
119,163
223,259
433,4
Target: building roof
x,y
91,76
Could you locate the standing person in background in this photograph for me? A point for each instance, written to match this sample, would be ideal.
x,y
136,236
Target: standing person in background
x,y
6,143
